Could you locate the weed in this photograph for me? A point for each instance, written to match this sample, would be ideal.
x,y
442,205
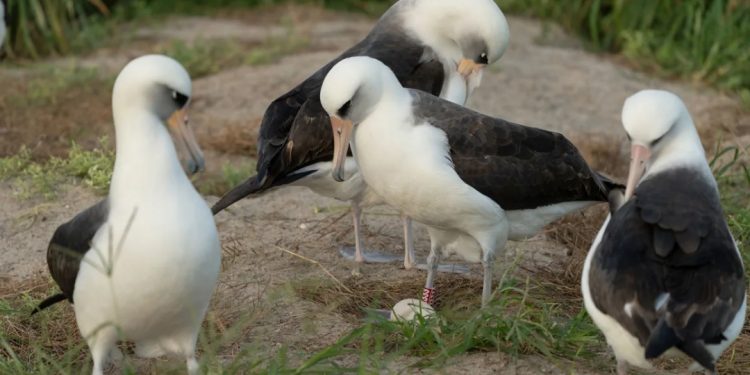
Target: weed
x,y
206,57
93,168
51,81
47,27
231,175
276,47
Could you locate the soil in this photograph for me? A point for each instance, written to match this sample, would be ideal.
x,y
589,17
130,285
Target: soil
x,y
546,79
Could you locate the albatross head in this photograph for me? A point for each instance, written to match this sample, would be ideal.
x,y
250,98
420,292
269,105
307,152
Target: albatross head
x,y
660,130
350,92
160,87
470,33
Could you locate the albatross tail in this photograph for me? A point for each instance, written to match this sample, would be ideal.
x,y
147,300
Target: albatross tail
x,y
255,185
49,302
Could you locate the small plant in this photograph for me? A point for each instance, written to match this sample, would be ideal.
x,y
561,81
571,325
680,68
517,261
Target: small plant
x,y
47,27
93,168
51,82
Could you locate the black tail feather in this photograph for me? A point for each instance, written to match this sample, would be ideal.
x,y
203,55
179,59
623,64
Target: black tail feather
x,y
49,302
663,337
698,352
251,186
255,185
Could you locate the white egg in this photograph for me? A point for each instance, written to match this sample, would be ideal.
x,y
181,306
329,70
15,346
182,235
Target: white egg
x,y
408,309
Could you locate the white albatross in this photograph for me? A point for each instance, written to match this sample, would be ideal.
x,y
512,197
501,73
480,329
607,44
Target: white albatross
x,y
664,273
142,264
473,180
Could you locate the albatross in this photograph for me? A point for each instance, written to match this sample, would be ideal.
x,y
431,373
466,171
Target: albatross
x,y
473,180
141,265
438,46
664,272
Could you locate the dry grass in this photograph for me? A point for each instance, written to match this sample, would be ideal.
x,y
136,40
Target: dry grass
x,y
456,293
234,139
52,331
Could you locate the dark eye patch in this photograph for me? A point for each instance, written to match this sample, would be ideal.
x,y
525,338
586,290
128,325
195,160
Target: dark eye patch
x,y
657,140
179,99
344,110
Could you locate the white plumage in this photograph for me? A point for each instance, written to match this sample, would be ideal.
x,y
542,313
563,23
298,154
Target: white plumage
x,y
154,260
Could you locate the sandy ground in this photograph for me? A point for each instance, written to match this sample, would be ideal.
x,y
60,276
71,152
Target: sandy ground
x,y
545,79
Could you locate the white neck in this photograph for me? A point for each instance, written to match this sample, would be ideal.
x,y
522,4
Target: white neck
x,y
682,148
146,159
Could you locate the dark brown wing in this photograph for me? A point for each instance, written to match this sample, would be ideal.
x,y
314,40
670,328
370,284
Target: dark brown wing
x,y
296,132
70,243
671,239
517,166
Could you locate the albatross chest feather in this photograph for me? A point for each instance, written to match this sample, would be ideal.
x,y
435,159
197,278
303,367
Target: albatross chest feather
x,y
161,271
409,167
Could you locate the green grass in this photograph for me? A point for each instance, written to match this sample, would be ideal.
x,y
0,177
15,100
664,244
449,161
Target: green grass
x,y
700,40
231,175
518,321
206,57
92,168
50,82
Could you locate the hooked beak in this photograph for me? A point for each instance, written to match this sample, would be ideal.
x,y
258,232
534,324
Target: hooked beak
x,y
471,73
184,140
639,155
468,67
342,131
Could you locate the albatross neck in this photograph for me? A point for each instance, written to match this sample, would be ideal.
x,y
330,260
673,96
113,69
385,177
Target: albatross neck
x,y
146,161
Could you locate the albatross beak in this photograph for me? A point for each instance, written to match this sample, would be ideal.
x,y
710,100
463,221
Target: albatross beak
x,y
184,140
342,131
639,155
472,74
468,68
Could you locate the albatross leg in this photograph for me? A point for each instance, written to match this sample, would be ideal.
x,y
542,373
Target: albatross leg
x,y
487,262
101,343
358,254
357,217
622,367
428,295
410,260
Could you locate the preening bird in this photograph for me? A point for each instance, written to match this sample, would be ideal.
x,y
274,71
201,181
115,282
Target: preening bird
x,y
438,46
141,265
664,273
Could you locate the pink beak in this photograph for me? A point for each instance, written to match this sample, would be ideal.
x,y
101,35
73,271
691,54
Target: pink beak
x,y
639,155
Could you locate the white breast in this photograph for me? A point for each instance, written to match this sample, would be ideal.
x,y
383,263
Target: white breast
x,y
163,273
625,345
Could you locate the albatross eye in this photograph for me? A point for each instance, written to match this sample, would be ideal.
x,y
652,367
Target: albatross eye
x,y
179,99
344,110
483,58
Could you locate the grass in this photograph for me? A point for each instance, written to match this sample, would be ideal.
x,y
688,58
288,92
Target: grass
x,y
231,175
49,82
42,28
518,321
206,57
700,40
92,168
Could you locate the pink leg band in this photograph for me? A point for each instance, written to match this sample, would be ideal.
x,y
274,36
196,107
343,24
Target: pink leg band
x,y
428,296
